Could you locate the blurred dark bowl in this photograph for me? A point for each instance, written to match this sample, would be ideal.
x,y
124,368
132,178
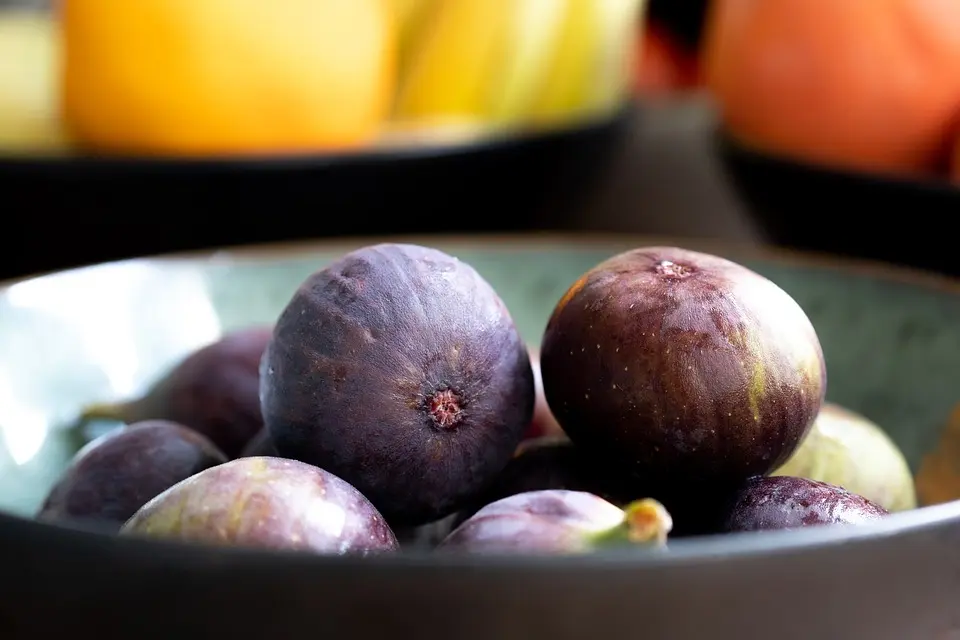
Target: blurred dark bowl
x,y
77,210
802,205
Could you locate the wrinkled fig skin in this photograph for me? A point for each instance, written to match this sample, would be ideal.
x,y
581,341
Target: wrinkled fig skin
x,y
119,472
687,366
553,521
399,369
785,502
260,445
846,449
214,390
268,503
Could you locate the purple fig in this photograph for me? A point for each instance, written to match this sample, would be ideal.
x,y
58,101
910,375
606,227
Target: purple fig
x,y
215,391
399,369
688,368
785,502
269,503
116,474
559,521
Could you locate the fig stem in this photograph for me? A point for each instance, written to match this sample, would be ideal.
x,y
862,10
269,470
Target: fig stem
x,y
645,522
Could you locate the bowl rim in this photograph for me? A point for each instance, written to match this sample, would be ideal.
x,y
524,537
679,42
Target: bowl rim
x,y
492,141
685,551
731,145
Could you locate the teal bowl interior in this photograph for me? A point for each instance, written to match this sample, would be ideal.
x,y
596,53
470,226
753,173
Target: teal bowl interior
x,y
891,338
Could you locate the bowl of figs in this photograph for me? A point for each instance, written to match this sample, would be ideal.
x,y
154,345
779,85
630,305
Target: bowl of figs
x,y
526,436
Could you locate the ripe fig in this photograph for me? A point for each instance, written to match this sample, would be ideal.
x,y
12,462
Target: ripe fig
x,y
785,502
214,390
543,423
269,503
116,474
558,521
846,449
260,445
689,368
399,369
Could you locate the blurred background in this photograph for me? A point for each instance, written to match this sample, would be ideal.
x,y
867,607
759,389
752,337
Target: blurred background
x,y
167,125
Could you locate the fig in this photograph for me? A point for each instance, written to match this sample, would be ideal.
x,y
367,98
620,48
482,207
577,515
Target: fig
x,y
543,423
557,521
786,502
260,445
269,503
846,449
116,474
399,369
214,390
688,368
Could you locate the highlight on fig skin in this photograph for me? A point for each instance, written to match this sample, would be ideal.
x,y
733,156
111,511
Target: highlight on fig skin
x,y
399,369
558,521
269,503
686,367
785,502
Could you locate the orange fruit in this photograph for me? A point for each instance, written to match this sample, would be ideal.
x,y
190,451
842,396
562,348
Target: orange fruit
x,y
663,65
868,84
189,77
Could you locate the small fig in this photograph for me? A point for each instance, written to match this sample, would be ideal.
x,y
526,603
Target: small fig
x,y
785,502
559,521
399,369
846,449
688,368
116,474
269,503
214,390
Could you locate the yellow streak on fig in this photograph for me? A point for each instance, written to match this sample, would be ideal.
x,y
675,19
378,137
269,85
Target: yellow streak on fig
x,y
755,392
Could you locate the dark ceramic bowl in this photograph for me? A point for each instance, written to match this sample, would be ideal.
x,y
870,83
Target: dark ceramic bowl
x,y
79,210
892,341
808,206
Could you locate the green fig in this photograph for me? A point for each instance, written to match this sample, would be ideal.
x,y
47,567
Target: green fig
x,y
846,449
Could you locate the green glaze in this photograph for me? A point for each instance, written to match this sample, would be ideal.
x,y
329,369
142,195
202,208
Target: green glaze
x,y
892,340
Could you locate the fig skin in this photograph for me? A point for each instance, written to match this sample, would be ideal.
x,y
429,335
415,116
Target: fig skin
x,y
846,449
786,502
688,368
558,521
114,475
269,503
399,369
214,390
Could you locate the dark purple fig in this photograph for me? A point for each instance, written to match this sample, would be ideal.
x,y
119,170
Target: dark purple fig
x,y
399,369
116,474
559,521
260,445
268,503
688,368
214,390
785,502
